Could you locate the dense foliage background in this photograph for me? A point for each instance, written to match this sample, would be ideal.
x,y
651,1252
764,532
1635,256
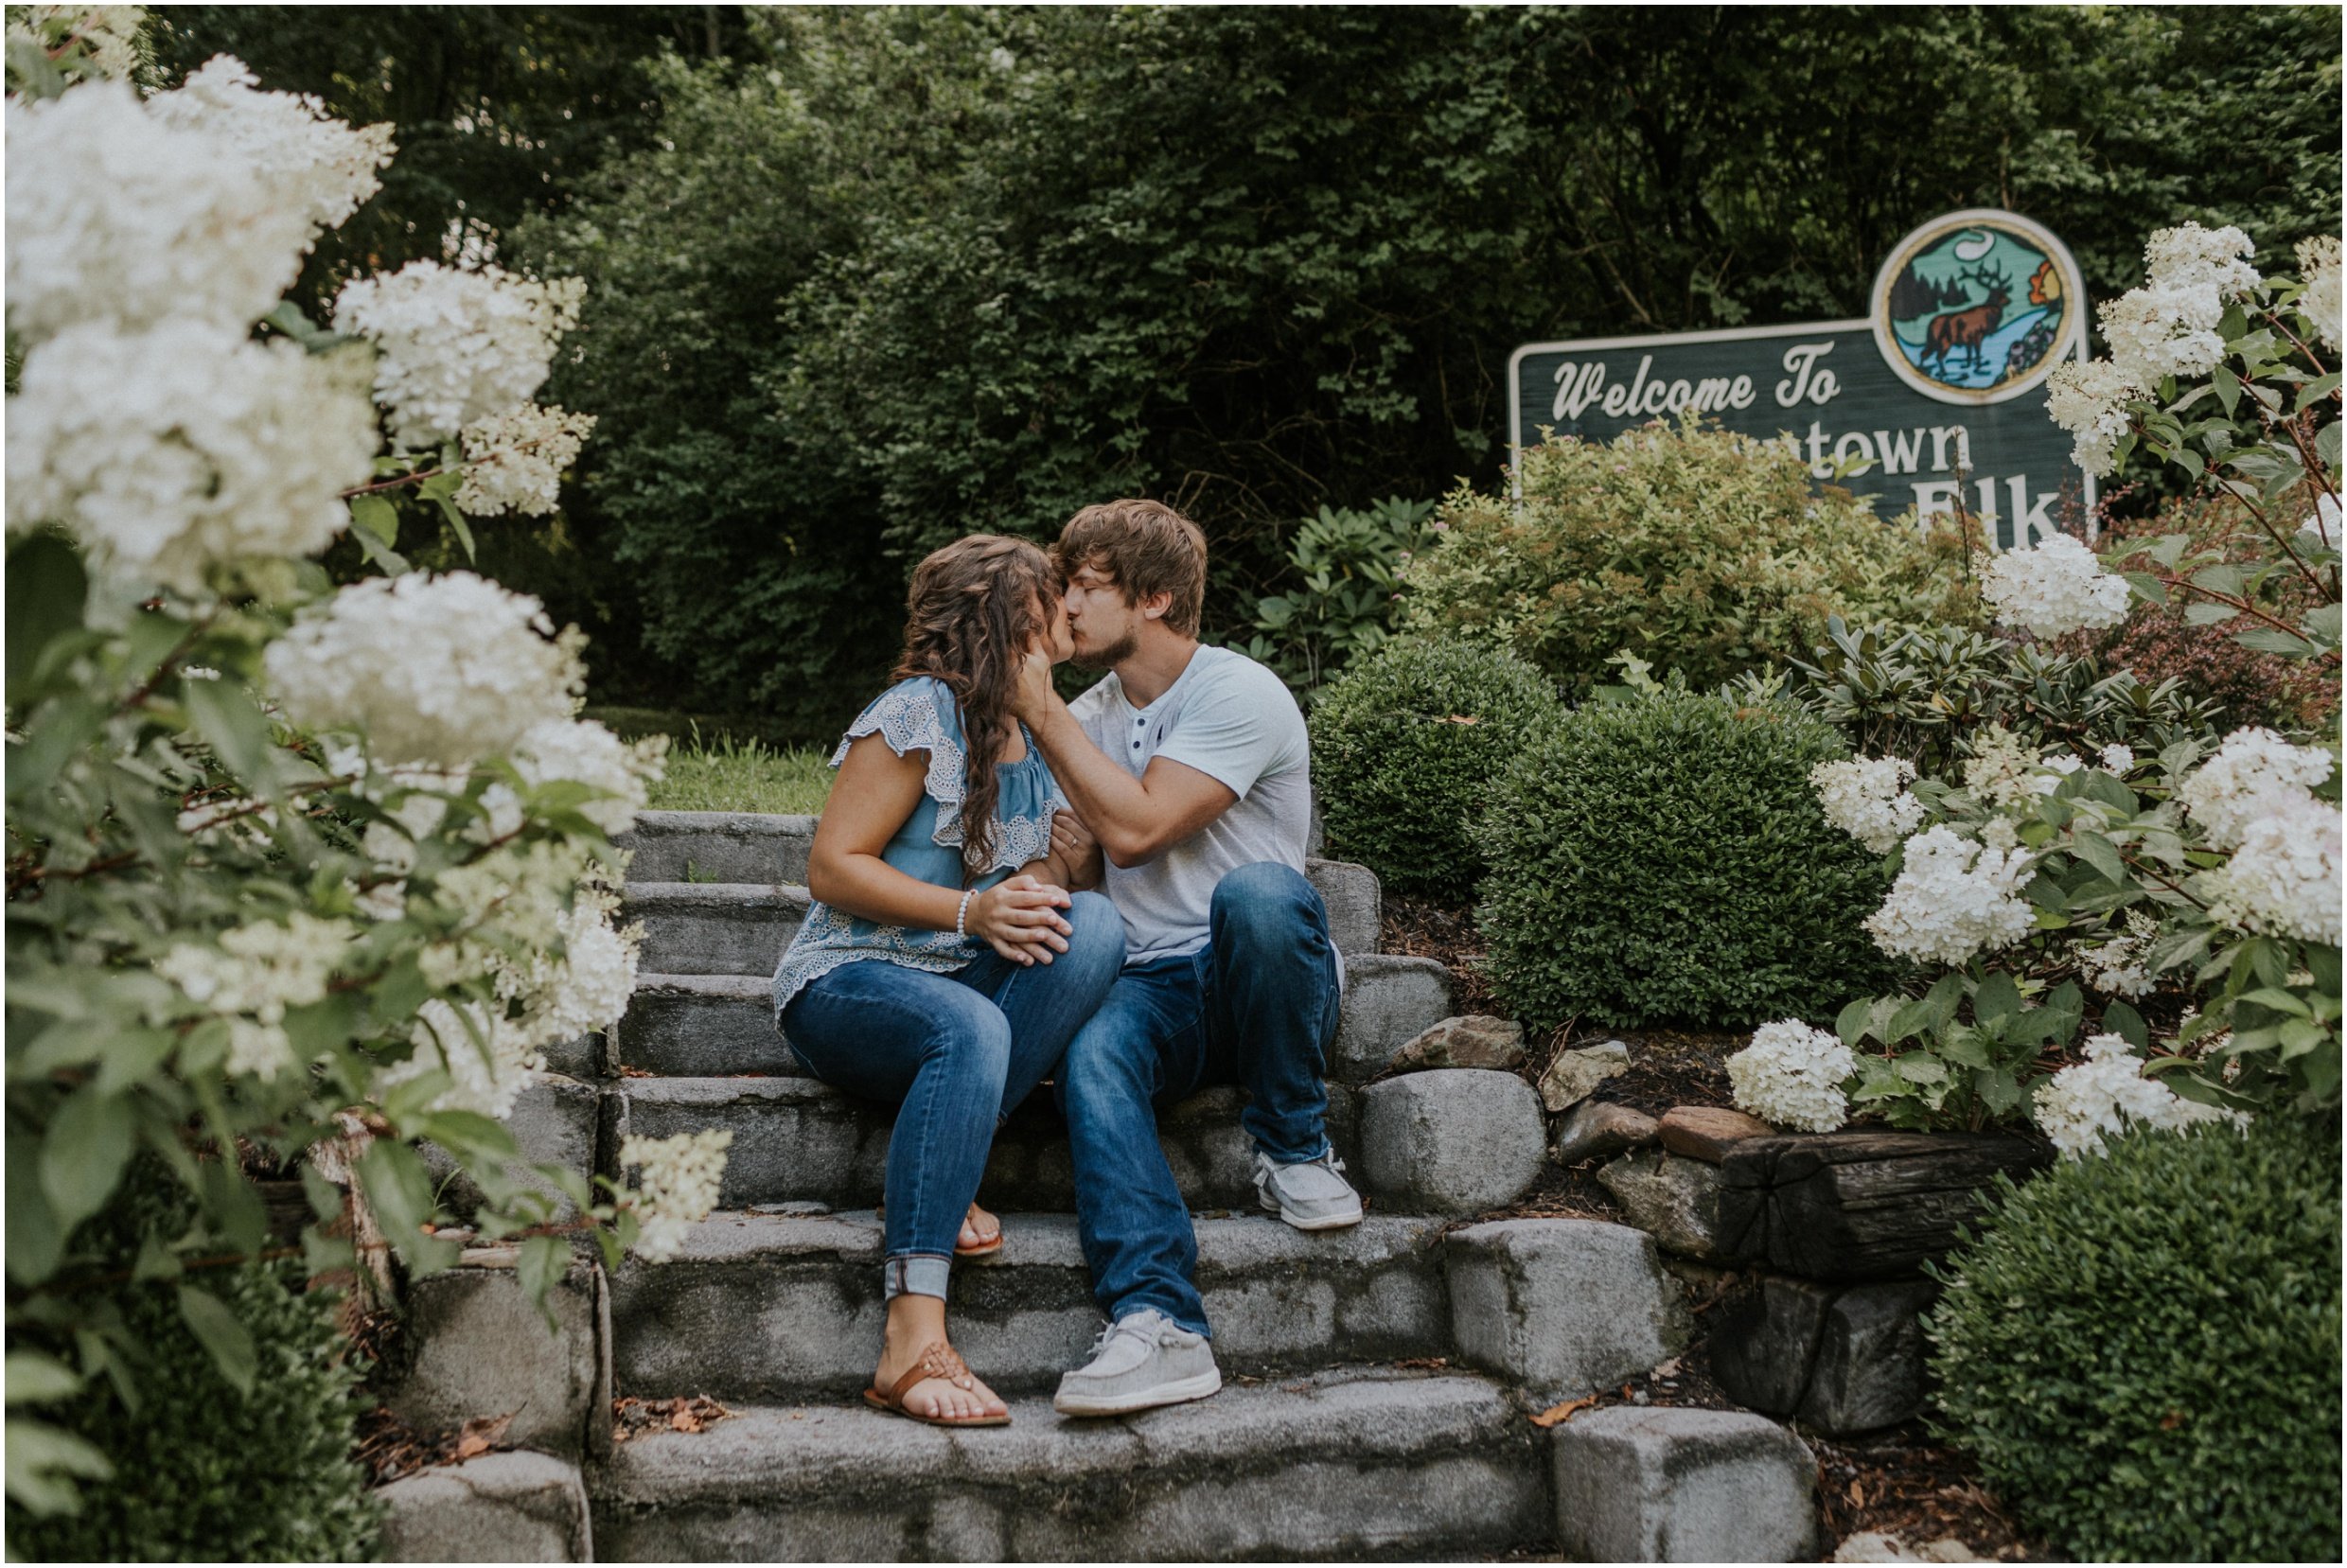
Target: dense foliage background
x,y
866,279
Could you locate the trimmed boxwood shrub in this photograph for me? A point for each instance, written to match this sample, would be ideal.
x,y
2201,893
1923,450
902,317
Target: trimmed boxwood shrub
x,y
1663,858
202,1474
1405,745
2143,1349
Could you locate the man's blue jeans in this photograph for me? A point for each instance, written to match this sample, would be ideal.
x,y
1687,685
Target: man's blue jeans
x,y
1256,1007
960,1052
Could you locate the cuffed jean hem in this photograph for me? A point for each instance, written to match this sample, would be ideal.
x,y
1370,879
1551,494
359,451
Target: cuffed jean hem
x,y
915,1274
1181,1318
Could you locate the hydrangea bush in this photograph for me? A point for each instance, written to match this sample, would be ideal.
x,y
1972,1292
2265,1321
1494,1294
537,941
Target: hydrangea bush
x,y
298,878
2181,887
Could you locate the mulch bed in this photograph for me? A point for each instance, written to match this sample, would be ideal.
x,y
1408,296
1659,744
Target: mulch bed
x,y
389,1449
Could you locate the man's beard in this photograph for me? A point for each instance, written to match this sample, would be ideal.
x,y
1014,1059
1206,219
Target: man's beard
x,y
1108,657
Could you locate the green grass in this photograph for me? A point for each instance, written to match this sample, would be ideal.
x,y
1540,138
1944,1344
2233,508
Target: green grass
x,y
730,774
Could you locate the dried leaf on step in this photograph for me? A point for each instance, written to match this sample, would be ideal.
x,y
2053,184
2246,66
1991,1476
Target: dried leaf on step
x,y
481,1434
1557,1413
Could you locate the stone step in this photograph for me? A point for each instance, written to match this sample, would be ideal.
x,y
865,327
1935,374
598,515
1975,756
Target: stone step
x,y
1343,1465
788,1307
691,1025
717,846
742,927
797,1141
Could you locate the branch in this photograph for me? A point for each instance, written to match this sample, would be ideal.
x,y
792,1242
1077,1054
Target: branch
x,y
416,477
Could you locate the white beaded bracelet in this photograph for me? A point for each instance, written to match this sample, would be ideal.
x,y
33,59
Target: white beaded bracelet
x,y
962,914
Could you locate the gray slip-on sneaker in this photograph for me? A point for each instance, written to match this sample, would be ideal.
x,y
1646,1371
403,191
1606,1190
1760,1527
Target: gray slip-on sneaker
x,y
1140,1361
1310,1194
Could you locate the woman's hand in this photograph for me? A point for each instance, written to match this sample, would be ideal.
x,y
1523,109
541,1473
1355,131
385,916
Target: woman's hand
x,y
1074,847
1021,919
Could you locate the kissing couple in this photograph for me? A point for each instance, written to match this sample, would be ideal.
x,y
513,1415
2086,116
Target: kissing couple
x,y
957,954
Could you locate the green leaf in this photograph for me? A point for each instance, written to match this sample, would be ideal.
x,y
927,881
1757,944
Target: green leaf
x,y
2209,615
1996,1088
544,1262
456,521
2099,852
38,1456
2128,1024
2280,1000
33,1377
2274,640
226,715
376,518
82,1153
2227,389
45,592
1996,998
222,1334
1850,1024
393,563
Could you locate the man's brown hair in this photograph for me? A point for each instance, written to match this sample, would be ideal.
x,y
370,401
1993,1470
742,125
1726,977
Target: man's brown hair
x,y
1147,548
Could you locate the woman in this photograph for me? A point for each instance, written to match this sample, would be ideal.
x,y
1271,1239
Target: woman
x,y
945,963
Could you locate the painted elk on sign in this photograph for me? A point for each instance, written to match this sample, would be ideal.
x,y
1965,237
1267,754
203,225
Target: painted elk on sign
x,y
1965,331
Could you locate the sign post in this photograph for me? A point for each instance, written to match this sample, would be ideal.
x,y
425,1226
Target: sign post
x,y
1921,404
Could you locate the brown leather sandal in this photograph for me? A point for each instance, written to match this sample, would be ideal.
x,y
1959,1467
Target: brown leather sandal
x,y
938,1359
987,1248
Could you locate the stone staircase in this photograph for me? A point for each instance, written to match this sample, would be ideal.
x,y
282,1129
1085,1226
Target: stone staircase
x,y
1378,1380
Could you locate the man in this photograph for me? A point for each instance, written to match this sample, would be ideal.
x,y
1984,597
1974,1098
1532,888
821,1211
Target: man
x,y
1191,767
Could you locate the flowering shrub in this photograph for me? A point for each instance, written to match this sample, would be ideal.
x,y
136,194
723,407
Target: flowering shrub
x,y
297,879
1661,856
1405,745
2143,1350
1792,1075
1707,553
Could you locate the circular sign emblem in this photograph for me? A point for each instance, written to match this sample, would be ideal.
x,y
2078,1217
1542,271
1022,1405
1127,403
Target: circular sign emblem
x,y
1978,306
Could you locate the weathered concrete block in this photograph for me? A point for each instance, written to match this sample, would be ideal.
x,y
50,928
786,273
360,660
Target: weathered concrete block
x,y
583,1056
1595,1129
1869,1366
1355,902
717,846
1576,1074
554,1120
1657,1485
1766,1341
704,1025
1674,1199
1451,1141
1387,1001
1560,1307
1478,1040
475,1348
713,927
499,1508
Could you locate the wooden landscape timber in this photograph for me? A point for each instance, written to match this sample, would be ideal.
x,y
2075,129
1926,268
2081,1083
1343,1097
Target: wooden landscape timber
x,y
1853,1207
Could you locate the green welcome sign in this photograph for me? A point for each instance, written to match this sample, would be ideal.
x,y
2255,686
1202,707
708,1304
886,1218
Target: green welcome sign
x,y
1925,404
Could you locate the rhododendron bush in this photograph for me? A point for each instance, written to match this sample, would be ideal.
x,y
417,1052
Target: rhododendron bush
x,y
297,879
2112,856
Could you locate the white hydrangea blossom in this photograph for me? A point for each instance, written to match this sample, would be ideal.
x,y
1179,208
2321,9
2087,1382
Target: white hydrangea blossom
x,y
443,669
314,165
110,33
1953,898
2318,266
677,1186
524,892
586,752
114,215
486,1055
2091,400
2252,770
587,989
2055,588
2107,1095
169,451
514,462
456,348
2118,759
2006,770
1792,1075
2115,968
2319,529
2164,330
2284,878
258,971
2190,256
1866,798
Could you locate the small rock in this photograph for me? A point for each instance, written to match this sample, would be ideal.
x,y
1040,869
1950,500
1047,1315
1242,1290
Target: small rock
x,y
1705,1132
1765,1342
1574,1073
1455,1140
1665,1485
1869,1366
1675,1201
1478,1040
1594,1130
1879,1546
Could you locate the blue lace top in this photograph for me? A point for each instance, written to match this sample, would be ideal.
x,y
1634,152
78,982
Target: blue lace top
x,y
922,716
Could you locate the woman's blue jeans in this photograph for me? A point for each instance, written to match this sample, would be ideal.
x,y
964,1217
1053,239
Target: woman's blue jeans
x,y
960,1052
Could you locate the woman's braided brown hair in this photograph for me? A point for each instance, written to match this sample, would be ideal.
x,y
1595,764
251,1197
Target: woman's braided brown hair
x,y
973,608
